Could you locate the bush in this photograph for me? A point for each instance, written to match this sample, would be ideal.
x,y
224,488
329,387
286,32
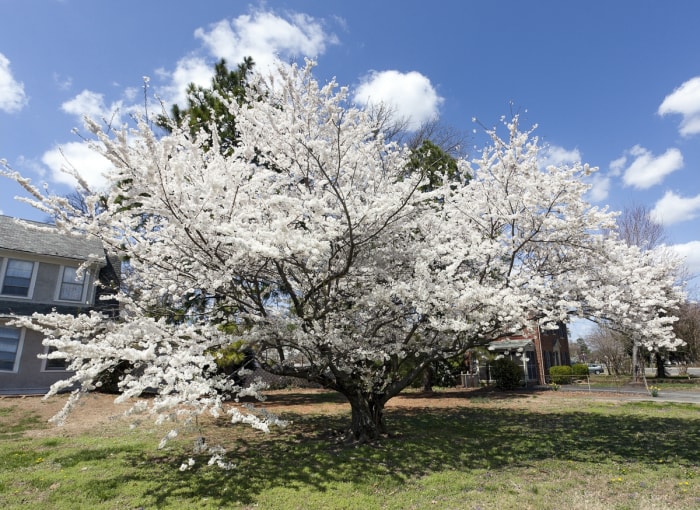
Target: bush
x,y
579,370
507,373
561,374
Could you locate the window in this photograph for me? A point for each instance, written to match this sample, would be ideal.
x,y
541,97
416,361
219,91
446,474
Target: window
x,y
71,285
54,364
9,348
18,278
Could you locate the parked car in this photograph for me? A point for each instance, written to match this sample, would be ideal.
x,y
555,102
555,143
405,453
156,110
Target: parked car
x,y
595,368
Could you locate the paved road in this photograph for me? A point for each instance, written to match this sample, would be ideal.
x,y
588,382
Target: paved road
x,y
638,393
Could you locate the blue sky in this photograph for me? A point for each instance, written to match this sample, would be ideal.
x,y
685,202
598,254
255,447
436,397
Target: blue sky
x,y
615,84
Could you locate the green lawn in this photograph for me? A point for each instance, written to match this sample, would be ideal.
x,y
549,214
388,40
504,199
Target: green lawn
x,y
537,451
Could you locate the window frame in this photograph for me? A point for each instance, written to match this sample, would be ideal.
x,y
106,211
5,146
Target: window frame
x,y
60,281
18,352
45,363
3,274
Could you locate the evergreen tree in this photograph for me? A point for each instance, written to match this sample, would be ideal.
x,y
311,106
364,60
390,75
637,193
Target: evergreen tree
x,y
205,107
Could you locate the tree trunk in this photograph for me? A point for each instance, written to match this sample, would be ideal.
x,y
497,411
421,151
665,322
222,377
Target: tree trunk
x,y
660,369
428,378
367,417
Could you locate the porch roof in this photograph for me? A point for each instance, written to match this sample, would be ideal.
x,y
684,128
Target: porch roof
x,y
510,345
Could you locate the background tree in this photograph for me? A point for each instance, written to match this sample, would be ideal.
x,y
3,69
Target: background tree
x,y
580,350
312,235
687,328
635,227
610,347
208,106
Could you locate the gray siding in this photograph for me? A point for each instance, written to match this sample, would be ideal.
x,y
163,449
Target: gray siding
x,y
50,250
30,376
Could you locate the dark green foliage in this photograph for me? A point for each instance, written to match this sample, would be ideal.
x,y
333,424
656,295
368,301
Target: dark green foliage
x,y
579,369
205,106
440,373
435,162
234,357
562,374
507,373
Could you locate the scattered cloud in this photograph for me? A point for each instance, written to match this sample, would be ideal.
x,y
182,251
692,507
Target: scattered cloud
x,y
645,169
265,36
262,35
62,82
685,100
690,252
600,187
618,165
92,105
190,69
89,164
12,96
410,95
553,155
673,208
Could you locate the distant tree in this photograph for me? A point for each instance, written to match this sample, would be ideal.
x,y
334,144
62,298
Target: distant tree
x,y
687,328
580,350
608,346
636,227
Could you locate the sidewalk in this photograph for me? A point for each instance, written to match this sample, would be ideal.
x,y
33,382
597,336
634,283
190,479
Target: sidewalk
x,y
637,391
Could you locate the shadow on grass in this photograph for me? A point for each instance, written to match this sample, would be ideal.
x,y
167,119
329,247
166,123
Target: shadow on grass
x,y
306,456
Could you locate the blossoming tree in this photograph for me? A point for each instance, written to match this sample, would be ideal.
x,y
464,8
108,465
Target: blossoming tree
x,y
311,243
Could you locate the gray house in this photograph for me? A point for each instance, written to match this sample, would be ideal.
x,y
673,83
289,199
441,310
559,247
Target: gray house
x,y
38,273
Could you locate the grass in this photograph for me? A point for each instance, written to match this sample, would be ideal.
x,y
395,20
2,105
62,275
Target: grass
x,y
535,451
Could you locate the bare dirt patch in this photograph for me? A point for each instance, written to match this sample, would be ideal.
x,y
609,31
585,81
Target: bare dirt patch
x,y
98,411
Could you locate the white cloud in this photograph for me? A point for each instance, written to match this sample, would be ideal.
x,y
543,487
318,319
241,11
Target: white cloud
x,y
690,252
190,69
92,105
90,165
618,165
673,208
600,188
12,96
410,95
265,36
557,156
647,170
685,100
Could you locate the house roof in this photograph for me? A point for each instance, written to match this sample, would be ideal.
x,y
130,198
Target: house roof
x,y
45,239
509,345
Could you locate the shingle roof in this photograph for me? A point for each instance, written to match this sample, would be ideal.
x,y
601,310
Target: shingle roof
x,y
508,345
16,236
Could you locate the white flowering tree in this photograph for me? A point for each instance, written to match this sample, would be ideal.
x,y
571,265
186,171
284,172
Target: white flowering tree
x,y
311,243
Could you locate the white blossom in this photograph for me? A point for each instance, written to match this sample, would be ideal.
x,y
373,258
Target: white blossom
x,y
315,246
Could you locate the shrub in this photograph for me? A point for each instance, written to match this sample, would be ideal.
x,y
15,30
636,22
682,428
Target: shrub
x,y
561,374
579,370
507,373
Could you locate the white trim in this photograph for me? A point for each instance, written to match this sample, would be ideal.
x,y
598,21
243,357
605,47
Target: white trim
x,y
3,269
18,353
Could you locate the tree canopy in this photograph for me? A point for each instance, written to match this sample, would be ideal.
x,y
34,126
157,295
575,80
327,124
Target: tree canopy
x,y
344,268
